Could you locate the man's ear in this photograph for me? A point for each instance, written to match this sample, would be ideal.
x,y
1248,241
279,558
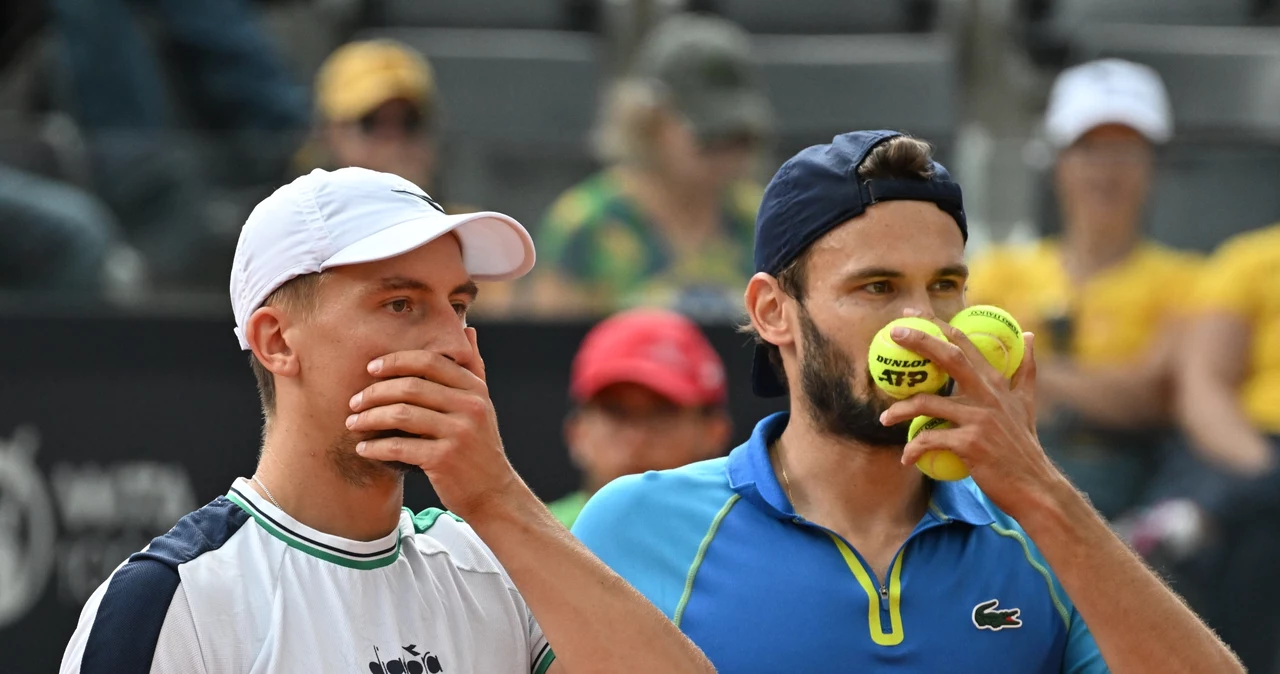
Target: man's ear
x,y
768,308
265,333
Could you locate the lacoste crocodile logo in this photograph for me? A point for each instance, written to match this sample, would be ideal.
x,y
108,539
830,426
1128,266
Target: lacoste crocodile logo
x,y
987,617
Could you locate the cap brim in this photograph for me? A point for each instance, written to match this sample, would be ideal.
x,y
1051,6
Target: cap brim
x,y
494,246
643,372
355,103
735,112
1065,132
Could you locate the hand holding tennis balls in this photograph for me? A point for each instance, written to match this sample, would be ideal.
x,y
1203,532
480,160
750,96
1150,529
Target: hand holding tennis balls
x,y
901,372
998,337
994,419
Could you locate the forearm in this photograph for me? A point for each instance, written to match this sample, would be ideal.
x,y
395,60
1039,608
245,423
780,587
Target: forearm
x,y
1126,398
593,619
1212,369
1139,624
1217,424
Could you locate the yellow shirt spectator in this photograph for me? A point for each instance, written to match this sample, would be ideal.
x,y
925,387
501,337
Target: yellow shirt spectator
x,y
1114,316
1243,279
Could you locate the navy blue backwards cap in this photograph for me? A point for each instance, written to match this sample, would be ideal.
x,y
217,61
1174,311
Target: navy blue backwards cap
x,y
817,190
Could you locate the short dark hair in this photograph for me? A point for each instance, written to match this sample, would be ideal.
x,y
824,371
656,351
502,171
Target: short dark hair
x,y
897,158
298,294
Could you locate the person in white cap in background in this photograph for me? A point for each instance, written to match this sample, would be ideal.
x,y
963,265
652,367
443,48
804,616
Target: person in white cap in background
x,y
1100,297
350,289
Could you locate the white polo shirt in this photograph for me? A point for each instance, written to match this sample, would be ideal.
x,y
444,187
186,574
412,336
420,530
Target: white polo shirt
x,y
239,587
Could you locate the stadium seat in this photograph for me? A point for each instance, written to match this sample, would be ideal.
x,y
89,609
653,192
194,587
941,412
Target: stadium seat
x,y
511,85
517,107
22,149
1222,81
824,85
828,16
538,14
1050,28
1206,192
1163,12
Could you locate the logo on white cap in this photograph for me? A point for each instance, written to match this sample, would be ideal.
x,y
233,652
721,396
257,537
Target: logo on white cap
x,y
425,197
329,219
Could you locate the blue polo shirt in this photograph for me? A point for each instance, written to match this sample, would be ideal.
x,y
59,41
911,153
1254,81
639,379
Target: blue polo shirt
x,y
717,546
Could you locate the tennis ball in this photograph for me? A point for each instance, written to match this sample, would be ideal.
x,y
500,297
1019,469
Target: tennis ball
x,y
925,424
900,372
942,465
996,334
938,464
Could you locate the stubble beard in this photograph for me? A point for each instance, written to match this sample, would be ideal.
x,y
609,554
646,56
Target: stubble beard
x,y
826,380
359,471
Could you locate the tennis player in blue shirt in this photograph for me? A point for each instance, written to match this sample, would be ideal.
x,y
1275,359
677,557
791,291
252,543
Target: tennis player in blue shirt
x,y
817,546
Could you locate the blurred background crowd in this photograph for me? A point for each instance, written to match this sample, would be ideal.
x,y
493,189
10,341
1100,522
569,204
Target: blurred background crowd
x,y
1120,161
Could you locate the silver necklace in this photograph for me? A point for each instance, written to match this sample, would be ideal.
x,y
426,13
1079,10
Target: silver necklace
x,y
267,492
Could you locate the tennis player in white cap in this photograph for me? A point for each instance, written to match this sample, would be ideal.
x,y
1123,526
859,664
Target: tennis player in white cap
x,y
351,290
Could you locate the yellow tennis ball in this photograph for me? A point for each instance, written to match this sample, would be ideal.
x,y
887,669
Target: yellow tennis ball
x,y
942,465
996,334
938,464
901,372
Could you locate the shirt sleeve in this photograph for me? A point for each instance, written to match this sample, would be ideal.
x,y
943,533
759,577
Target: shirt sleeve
x,y
540,654
611,526
1081,655
138,622
178,648
649,528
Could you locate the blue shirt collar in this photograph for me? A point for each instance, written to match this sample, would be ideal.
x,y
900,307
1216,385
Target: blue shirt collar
x,y
751,473
751,476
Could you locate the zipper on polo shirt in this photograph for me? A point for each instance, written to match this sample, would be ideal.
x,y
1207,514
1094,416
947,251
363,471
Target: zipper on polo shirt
x,y
887,616
883,585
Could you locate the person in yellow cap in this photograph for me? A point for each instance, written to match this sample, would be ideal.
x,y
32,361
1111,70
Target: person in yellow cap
x,y
377,105
376,102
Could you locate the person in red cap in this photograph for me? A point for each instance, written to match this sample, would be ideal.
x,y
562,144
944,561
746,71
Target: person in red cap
x,y
649,394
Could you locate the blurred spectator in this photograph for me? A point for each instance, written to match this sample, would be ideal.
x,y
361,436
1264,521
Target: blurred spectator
x,y
670,221
1213,524
57,238
377,109
649,394
1101,297
377,106
227,80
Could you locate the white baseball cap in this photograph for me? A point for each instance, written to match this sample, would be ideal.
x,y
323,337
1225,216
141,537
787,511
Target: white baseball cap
x,y
329,219
1108,91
